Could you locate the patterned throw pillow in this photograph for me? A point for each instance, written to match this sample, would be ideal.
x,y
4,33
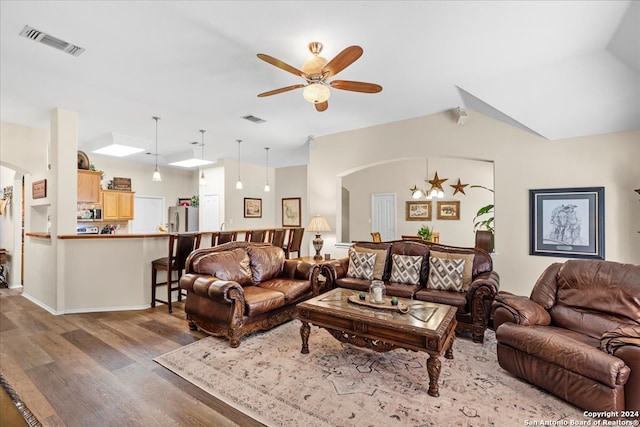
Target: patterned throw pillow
x,y
381,259
445,274
468,265
361,265
406,268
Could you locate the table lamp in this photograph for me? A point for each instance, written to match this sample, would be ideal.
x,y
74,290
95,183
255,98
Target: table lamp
x,y
318,224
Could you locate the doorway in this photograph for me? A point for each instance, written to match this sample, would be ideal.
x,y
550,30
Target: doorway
x,y
383,215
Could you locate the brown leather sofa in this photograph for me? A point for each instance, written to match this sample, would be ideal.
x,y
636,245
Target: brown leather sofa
x,y
473,301
577,335
240,287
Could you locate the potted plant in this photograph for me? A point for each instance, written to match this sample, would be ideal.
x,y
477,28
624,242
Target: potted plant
x,y
425,233
483,224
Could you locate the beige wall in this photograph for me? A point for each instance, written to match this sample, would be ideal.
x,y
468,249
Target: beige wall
x,y
522,161
398,176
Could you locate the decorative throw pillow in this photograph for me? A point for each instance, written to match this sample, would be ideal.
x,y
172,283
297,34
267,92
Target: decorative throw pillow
x,y
361,265
381,259
467,271
445,274
406,268
226,265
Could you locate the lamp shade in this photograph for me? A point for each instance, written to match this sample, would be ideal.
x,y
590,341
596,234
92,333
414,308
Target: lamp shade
x,y
318,223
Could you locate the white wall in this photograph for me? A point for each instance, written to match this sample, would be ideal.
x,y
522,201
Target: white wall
x,y
522,161
292,182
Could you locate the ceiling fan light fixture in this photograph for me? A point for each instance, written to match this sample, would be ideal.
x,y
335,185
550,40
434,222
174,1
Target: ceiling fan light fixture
x,y
316,93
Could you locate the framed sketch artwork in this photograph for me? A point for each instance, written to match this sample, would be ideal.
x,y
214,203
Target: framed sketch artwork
x,y
252,208
449,209
418,211
567,222
291,212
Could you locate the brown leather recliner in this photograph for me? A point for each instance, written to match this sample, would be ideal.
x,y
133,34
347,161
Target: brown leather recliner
x,y
577,335
241,287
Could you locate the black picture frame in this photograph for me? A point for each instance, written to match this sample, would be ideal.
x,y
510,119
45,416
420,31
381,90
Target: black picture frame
x,y
252,207
567,222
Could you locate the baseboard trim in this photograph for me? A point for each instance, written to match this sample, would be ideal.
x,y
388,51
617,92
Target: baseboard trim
x,y
81,310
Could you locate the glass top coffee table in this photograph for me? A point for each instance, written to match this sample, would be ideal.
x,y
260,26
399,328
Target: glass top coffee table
x,y
427,327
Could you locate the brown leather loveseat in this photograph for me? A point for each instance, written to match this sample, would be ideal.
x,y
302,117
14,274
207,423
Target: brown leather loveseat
x,y
577,335
239,287
393,264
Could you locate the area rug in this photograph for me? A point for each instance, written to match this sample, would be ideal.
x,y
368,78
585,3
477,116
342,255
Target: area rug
x,y
338,384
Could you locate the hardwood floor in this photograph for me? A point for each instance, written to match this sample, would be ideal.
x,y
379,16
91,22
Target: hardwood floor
x,y
97,369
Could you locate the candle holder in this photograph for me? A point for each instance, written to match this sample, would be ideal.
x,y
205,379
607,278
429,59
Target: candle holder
x,y
377,292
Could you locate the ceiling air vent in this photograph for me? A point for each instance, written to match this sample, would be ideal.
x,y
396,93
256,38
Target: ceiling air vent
x,y
44,38
253,119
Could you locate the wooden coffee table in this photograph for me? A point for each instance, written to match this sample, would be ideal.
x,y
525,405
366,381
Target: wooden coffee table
x,y
426,327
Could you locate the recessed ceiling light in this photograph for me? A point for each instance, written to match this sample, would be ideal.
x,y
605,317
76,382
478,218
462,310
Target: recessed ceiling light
x,y
190,163
118,150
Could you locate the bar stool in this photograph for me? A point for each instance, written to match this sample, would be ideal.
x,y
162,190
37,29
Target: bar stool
x,y
295,241
180,246
221,237
277,237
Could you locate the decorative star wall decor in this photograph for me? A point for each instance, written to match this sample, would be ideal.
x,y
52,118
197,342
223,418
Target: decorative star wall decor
x,y
437,182
459,188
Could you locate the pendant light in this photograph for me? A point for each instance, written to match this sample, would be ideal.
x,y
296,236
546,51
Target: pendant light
x,y
156,173
203,180
266,185
239,182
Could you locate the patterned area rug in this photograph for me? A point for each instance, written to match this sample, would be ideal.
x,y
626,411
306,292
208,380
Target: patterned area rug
x,y
338,384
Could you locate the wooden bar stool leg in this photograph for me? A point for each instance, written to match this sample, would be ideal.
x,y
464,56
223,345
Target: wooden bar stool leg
x,y
169,290
154,284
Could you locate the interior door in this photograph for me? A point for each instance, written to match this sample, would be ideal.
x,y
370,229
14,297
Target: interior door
x,y
210,220
383,215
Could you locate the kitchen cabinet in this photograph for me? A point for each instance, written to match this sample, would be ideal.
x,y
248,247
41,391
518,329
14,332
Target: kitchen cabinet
x,y
117,205
88,186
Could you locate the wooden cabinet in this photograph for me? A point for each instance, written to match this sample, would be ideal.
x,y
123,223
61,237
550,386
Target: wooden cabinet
x,y
88,186
117,205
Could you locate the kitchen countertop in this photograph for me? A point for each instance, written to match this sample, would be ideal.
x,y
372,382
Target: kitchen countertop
x,y
112,236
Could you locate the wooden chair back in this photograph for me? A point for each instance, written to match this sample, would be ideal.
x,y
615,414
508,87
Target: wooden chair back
x,y
295,241
277,237
221,237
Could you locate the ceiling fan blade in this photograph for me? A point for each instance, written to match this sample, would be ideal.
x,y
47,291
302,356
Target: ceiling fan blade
x,y
356,86
282,89
342,60
282,65
322,106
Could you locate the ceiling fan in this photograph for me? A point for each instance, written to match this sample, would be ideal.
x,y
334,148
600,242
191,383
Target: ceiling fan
x,y
317,71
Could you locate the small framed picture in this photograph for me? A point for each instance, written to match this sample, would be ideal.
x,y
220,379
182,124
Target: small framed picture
x,y
184,202
567,222
449,210
291,212
252,208
418,211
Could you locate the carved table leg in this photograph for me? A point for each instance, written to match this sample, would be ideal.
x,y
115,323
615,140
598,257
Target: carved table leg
x,y
304,333
448,354
433,368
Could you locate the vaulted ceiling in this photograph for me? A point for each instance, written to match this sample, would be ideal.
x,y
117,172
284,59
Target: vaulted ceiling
x,y
560,69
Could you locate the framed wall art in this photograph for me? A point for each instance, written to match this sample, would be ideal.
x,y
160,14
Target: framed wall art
x,y
184,202
567,222
418,211
252,208
449,209
291,216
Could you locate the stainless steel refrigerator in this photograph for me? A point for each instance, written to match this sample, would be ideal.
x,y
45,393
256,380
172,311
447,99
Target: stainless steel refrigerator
x,y
183,219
